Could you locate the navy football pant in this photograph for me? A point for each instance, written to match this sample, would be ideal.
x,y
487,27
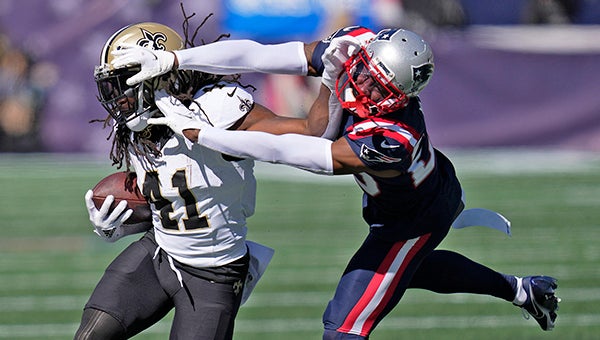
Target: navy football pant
x,y
380,272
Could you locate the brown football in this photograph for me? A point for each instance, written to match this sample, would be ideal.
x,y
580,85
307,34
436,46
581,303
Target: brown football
x,y
123,186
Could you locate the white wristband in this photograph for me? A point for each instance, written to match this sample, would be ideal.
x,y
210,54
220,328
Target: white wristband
x,y
304,152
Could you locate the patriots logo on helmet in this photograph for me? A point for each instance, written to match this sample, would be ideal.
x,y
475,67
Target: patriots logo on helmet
x,y
386,34
421,75
155,41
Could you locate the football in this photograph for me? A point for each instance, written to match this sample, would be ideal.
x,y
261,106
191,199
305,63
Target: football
x,y
123,186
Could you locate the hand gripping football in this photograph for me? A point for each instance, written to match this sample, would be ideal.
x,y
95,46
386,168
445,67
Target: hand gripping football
x,y
123,186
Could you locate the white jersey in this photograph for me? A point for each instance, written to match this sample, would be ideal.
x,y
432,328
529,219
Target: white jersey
x,y
200,200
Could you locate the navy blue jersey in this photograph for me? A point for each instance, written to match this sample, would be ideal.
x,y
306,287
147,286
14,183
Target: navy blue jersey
x,y
425,197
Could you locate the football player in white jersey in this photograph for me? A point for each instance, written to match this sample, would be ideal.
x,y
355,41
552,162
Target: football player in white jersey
x,y
194,258
411,194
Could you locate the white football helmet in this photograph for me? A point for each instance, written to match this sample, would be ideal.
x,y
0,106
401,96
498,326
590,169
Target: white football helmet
x,y
383,75
132,105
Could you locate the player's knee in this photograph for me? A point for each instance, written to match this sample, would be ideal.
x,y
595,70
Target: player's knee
x,y
96,325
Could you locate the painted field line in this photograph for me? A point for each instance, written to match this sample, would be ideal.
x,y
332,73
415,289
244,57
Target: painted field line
x,y
283,325
420,323
286,299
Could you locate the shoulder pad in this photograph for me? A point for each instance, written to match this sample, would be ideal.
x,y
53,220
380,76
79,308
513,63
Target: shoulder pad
x,y
224,104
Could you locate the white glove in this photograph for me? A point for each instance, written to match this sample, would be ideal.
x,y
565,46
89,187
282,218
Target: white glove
x,y
339,51
179,122
108,226
152,62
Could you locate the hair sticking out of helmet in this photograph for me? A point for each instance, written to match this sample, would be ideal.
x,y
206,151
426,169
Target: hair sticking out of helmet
x,y
130,105
188,82
396,65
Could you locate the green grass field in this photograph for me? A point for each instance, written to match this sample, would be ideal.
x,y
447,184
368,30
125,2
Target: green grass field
x,y
50,260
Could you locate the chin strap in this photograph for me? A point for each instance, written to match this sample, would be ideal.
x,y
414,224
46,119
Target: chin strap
x,y
359,106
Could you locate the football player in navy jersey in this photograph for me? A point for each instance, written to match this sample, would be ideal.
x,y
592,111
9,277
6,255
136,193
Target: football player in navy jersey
x,y
411,193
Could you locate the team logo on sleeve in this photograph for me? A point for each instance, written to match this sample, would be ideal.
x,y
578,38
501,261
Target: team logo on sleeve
x,y
372,155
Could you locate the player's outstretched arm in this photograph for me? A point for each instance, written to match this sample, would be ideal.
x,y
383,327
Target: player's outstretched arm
x,y
324,117
239,56
318,155
314,154
221,57
244,56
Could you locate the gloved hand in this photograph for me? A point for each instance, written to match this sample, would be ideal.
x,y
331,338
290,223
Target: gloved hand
x,y
152,62
179,122
107,225
339,51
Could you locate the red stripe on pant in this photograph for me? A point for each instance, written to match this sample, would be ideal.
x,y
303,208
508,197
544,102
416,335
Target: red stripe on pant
x,y
397,252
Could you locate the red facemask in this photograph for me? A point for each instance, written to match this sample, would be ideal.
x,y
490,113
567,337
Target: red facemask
x,y
365,90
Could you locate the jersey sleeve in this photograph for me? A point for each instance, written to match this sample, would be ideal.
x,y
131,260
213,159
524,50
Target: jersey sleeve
x,y
363,34
382,146
219,105
223,105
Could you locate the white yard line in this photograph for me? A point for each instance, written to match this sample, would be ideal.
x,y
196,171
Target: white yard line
x,y
289,299
285,325
469,162
466,161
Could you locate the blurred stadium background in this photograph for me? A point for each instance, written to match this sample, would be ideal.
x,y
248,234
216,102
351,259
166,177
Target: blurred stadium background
x,y
514,101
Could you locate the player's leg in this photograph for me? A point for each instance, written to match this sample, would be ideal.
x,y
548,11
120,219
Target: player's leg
x,y
208,301
99,325
373,283
128,295
447,272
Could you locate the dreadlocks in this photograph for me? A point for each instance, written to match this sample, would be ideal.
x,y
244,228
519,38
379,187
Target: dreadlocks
x,y
187,83
180,84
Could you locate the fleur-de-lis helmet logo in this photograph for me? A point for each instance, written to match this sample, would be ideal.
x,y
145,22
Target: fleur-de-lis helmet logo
x,y
155,41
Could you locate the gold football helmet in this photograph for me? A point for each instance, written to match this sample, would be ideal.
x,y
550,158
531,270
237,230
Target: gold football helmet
x,y
132,105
